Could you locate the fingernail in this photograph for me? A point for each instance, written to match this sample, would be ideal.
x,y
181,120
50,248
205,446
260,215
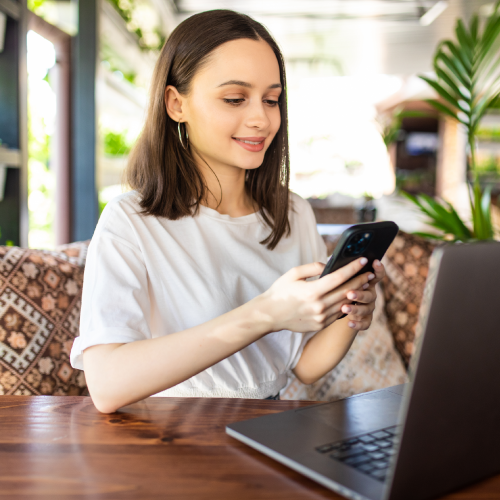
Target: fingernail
x,y
377,263
351,295
371,276
363,261
351,324
347,309
365,286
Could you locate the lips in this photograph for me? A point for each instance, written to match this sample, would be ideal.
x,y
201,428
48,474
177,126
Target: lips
x,y
253,144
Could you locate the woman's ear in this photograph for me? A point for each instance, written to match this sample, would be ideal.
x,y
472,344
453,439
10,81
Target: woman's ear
x,y
173,103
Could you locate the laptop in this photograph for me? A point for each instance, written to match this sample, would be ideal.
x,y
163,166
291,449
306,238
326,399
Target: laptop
x,y
420,440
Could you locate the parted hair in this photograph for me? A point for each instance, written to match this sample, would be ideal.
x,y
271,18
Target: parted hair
x,y
164,173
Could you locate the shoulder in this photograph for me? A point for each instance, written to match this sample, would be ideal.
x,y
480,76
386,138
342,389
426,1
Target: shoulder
x,y
123,207
120,217
126,203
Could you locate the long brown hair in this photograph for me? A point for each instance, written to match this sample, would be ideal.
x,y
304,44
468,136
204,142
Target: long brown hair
x,y
162,171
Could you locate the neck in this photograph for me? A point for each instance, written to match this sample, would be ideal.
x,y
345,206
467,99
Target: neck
x,y
226,189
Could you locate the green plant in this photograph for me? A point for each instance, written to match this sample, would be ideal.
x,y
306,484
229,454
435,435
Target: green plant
x,y
468,81
444,217
116,143
390,126
149,37
34,5
488,134
8,243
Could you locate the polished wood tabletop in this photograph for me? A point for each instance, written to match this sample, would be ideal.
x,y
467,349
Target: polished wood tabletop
x,y
62,447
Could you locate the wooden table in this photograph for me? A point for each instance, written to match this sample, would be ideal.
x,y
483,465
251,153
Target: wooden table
x,y
62,447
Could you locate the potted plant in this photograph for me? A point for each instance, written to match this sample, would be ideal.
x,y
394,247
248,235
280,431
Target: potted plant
x,y
467,79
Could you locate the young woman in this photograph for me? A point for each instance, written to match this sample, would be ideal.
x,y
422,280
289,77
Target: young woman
x,y
196,282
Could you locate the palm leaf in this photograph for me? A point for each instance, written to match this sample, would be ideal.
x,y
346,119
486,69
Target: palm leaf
x,y
476,213
463,229
473,29
440,217
444,109
455,66
441,91
455,52
490,33
466,42
452,84
446,219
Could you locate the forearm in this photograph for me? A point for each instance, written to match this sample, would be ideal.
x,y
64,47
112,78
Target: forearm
x,y
324,351
120,374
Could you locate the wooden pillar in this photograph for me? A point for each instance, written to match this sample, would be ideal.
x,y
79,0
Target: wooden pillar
x,y
83,181
61,152
451,172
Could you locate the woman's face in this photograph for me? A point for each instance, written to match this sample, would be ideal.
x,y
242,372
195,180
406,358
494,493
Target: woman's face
x,y
232,112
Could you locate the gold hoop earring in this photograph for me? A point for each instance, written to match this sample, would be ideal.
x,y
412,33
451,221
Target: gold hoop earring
x,y
180,135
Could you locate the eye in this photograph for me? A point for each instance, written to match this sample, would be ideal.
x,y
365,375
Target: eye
x,y
234,102
271,103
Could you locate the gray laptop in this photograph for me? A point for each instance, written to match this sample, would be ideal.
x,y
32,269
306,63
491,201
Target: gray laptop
x,y
420,440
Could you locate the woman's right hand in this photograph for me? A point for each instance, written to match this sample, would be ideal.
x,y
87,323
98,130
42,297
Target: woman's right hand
x,y
292,303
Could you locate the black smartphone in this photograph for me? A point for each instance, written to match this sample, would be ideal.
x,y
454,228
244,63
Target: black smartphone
x,y
370,240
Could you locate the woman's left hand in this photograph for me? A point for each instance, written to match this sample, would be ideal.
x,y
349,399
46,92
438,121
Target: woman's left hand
x,y
360,314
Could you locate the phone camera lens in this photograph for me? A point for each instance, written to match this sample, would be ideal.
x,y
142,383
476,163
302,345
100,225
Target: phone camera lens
x,y
357,244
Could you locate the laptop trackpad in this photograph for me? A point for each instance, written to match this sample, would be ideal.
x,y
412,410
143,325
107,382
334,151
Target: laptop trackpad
x,y
359,414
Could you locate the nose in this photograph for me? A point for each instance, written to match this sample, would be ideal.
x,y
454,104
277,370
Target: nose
x,y
257,116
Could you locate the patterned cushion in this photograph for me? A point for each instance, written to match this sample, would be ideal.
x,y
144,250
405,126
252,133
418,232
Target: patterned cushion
x,y
75,252
371,363
406,263
40,296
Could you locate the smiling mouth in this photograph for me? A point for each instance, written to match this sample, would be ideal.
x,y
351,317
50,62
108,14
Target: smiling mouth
x,y
249,142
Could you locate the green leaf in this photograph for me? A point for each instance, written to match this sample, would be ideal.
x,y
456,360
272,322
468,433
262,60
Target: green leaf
x,y
474,25
455,52
455,66
490,33
463,230
441,91
441,217
449,81
441,107
480,109
476,212
466,43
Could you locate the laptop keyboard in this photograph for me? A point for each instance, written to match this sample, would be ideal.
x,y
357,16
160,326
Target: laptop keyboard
x,y
369,453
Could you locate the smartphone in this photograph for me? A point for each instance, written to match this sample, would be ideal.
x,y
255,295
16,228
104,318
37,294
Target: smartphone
x,y
370,240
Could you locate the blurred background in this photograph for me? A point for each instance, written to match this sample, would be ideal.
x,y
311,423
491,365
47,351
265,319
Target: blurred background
x,y
74,79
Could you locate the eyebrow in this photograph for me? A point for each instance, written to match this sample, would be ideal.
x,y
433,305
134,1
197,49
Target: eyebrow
x,y
249,85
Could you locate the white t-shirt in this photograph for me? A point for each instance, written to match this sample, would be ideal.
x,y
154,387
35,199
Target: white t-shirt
x,y
148,276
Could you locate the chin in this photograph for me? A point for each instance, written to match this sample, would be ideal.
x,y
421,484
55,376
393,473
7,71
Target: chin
x,y
250,163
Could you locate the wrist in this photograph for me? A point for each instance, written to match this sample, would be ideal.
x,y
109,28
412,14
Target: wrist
x,y
259,315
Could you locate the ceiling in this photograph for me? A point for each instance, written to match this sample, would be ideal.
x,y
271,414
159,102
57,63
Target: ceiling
x,y
349,37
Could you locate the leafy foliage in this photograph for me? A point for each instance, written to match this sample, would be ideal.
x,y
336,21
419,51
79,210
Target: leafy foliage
x,y
468,73
444,217
116,143
35,5
148,39
391,127
468,83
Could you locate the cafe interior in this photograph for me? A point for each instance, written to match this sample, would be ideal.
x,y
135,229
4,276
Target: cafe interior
x,y
388,121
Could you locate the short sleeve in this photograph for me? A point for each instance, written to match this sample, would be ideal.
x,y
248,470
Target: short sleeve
x,y
318,252
309,230
115,300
